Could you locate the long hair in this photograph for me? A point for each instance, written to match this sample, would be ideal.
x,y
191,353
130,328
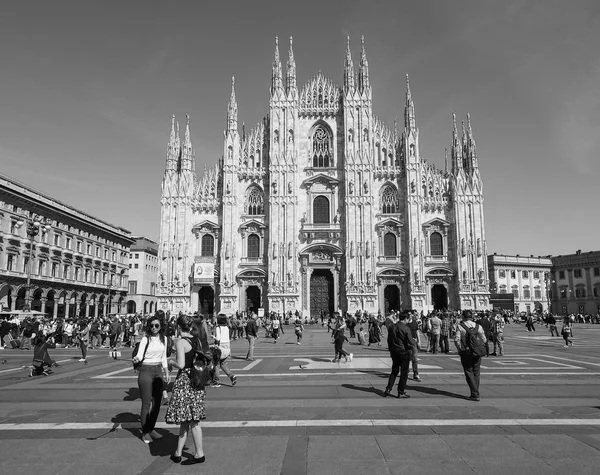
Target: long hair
x,y
161,332
198,330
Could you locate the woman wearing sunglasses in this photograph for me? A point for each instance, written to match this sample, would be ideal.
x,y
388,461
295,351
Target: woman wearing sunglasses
x,y
152,376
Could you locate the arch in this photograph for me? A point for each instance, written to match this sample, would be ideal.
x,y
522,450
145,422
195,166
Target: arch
x,y
21,293
151,307
389,245
254,201
436,244
253,245
36,299
131,306
145,307
321,210
208,245
6,296
389,199
321,145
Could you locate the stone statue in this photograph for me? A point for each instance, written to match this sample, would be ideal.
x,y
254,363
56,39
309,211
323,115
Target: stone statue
x,y
289,187
274,187
368,277
351,187
228,187
366,187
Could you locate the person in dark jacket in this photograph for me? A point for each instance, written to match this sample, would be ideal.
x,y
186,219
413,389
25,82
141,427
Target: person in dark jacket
x,y
400,343
487,329
42,363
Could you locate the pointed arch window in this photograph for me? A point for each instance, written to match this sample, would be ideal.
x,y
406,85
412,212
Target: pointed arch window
x,y
253,245
389,245
208,245
321,210
389,200
255,201
436,244
321,147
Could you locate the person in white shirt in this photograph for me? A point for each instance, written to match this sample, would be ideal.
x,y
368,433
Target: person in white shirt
x,y
153,375
222,340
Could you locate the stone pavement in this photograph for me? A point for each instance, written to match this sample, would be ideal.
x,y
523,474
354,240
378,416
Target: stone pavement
x,y
539,413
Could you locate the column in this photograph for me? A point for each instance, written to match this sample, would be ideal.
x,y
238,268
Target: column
x,y
77,305
55,306
67,304
13,303
87,309
96,309
43,301
195,298
336,289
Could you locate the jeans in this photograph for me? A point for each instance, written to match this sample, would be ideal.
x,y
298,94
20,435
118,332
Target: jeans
x,y
413,359
435,342
151,383
471,365
400,362
498,342
553,329
251,340
444,344
83,344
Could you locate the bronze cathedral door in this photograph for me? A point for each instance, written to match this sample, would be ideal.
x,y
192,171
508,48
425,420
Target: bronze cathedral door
x,y
321,293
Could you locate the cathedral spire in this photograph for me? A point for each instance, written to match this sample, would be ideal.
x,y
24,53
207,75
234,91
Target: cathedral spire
x,y
290,79
348,68
446,160
276,79
470,145
456,150
187,155
172,147
232,109
363,72
409,109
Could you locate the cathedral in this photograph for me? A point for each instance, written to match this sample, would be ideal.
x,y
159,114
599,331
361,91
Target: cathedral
x,y
322,207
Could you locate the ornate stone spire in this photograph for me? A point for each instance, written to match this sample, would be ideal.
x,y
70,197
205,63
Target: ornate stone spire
x,y
471,149
290,78
363,72
187,151
456,149
348,68
276,79
232,109
409,109
173,147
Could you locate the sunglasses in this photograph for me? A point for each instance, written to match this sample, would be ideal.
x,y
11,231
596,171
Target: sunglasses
x,y
155,325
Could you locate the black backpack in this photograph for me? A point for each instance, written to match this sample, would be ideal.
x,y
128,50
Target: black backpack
x,y
475,346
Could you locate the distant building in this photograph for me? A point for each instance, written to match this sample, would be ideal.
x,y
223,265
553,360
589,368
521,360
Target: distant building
x,y
526,278
143,274
576,283
77,265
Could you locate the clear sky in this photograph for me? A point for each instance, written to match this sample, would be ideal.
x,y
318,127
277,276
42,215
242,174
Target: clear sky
x,y
87,90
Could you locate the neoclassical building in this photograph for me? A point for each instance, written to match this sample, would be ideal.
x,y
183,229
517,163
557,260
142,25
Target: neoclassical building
x,y
322,206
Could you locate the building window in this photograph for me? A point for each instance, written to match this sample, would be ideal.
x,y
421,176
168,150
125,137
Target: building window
x,y
152,288
515,292
66,272
561,274
41,267
10,262
253,246
563,292
321,210
54,269
77,272
526,293
321,147
525,274
389,245
114,255
79,246
136,266
137,256
255,201
503,289
513,274
130,266
537,292
57,239
96,276
105,253
389,200
596,271
133,287
536,274
577,273
596,292
435,242
87,275
208,245
580,292
13,227
501,273
25,264
68,243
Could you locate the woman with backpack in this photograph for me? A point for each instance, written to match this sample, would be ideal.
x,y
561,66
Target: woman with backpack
x,y
151,356
222,342
186,405
567,331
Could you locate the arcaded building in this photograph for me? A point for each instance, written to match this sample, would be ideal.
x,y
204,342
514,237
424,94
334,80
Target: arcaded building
x,y
322,206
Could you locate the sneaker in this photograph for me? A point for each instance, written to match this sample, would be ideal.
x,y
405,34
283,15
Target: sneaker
x,y
82,359
31,372
351,356
566,346
416,377
155,435
297,343
214,385
474,398
403,396
146,438
233,380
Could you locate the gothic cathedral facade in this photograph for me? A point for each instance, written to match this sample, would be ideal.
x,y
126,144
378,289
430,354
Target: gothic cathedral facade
x,y
322,207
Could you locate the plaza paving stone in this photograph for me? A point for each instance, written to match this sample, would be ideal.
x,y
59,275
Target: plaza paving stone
x,y
342,399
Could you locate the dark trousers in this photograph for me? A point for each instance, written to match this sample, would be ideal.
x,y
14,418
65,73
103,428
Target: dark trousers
x,y
400,363
414,360
83,344
150,382
471,365
444,345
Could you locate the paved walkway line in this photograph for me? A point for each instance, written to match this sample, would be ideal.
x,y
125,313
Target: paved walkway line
x,y
311,423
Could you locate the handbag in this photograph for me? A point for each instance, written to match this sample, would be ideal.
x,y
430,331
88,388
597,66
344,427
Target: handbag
x,y
136,348
202,368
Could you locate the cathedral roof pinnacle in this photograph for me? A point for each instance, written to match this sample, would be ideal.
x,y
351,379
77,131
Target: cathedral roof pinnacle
x,y
363,74
348,67
187,139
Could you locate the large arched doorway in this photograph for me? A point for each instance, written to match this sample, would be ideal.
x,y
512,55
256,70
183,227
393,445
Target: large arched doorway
x,y
439,297
206,300
21,298
83,301
50,303
131,306
5,297
391,296
36,300
252,298
321,293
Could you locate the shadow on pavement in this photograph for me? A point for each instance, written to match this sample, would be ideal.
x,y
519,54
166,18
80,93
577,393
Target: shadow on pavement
x,y
365,389
117,420
436,392
132,394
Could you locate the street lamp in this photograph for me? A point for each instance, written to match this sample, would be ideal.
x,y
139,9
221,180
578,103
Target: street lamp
x,y
35,225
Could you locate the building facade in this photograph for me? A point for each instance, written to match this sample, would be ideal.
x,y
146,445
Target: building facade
x,y
526,278
143,274
76,264
576,283
322,206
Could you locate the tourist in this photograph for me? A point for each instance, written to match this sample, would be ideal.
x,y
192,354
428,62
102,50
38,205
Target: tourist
x,y
251,336
275,326
413,325
298,329
435,326
222,341
186,406
83,336
487,329
567,331
400,343
339,337
498,335
470,344
374,331
152,375
445,334
551,322
42,363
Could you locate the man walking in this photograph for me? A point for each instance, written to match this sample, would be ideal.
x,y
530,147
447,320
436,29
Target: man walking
x,y
487,329
413,325
436,330
251,336
498,335
470,343
400,343
551,321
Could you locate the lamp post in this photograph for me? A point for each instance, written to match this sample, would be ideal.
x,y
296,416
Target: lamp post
x,y
35,225
110,284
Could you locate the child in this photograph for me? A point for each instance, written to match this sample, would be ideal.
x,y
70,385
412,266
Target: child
x,y
361,336
299,328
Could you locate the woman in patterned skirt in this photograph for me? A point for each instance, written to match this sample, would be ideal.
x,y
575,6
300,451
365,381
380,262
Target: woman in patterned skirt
x,y
186,406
